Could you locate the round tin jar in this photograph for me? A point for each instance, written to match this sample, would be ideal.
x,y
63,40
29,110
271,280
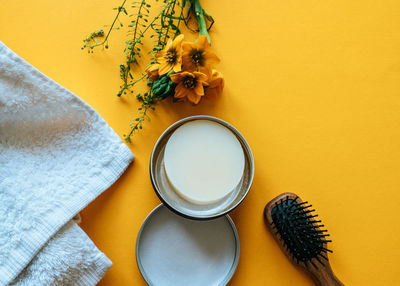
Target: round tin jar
x,y
165,191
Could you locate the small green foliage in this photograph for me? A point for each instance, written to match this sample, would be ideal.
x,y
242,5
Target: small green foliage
x,y
161,27
164,26
92,39
162,88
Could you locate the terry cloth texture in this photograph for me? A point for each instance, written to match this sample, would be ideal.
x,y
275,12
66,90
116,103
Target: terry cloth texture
x,y
56,156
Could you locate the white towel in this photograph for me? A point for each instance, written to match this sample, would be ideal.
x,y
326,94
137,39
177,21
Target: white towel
x,y
69,258
56,156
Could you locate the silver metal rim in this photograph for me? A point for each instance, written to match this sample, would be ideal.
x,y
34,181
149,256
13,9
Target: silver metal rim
x,y
138,239
224,123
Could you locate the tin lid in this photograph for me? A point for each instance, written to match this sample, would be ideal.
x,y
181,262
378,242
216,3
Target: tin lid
x,y
172,250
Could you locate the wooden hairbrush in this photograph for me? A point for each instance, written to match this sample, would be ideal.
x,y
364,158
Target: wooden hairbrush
x,y
300,237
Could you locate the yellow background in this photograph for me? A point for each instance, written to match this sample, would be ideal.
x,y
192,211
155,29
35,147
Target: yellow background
x,y
313,85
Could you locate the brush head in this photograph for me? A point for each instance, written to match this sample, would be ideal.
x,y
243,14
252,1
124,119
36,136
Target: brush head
x,y
297,229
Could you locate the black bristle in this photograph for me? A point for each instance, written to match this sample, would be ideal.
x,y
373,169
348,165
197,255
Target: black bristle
x,y
314,264
323,256
299,232
319,260
305,263
308,211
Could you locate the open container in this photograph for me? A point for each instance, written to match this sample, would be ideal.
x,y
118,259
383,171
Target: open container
x,y
184,243
185,208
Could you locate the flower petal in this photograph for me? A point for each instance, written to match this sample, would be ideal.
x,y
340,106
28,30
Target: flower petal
x,y
207,71
168,45
200,76
164,68
211,57
160,55
188,46
193,97
180,91
177,67
177,41
199,90
153,67
211,92
203,43
176,78
187,65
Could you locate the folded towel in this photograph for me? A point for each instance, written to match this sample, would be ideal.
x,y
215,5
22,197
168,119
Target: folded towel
x,y
56,156
69,258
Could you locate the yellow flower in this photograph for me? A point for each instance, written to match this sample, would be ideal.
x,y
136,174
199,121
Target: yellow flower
x,y
152,71
190,85
215,84
170,58
197,57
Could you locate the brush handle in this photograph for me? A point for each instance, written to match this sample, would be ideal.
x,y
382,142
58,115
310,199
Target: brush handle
x,y
324,276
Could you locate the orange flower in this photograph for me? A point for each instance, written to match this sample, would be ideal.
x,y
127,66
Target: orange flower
x,y
197,57
190,85
152,71
215,83
170,58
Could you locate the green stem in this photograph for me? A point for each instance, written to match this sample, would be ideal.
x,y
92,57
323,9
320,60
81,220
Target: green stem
x,y
166,33
112,25
141,35
199,12
136,81
139,122
132,52
179,21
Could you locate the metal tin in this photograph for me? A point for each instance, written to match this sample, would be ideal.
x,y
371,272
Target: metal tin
x,y
174,202
154,245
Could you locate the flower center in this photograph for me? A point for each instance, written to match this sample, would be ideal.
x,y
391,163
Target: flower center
x,y
189,82
171,56
197,57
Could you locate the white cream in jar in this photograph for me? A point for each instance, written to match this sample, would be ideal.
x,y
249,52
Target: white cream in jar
x,y
204,161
